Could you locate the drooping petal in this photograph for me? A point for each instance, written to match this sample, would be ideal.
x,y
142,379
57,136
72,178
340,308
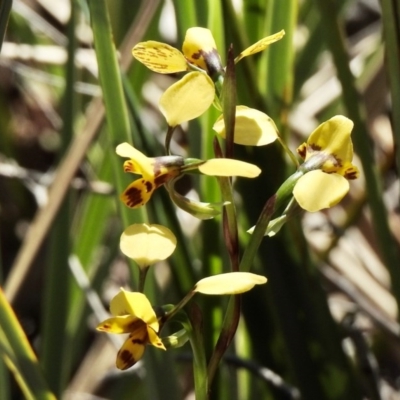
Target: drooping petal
x,y
200,49
252,127
198,209
154,339
229,283
333,137
187,99
160,57
229,167
138,193
317,190
147,244
140,164
260,45
135,304
132,350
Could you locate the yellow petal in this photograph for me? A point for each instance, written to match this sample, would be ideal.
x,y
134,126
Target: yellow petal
x,y
260,45
333,137
138,193
135,304
317,190
229,167
187,99
120,324
132,350
147,244
252,127
160,57
154,339
200,49
141,163
229,283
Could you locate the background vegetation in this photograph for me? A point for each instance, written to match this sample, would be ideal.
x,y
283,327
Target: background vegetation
x,y
326,324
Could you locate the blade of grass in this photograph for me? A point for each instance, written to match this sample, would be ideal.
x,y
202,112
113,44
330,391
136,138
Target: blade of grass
x,y
391,32
57,278
276,70
69,165
5,8
26,364
362,142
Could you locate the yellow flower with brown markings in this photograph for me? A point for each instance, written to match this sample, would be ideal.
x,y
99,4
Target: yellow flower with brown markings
x,y
155,172
159,170
191,96
133,314
328,155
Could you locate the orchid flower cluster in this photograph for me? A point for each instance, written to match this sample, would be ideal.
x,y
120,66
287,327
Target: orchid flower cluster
x,y
320,181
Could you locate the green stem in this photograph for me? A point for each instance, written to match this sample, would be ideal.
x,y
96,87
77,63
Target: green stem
x,y
177,308
288,152
274,203
142,277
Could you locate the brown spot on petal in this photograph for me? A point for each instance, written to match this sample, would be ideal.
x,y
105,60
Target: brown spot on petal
x,y
138,341
302,150
351,173
161,179
133,197
315,147
149,186
128,166
196,56
127,358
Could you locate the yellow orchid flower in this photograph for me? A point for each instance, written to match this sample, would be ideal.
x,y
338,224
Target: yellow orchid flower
x,y
155,172
193,94
133,314
328,155
160,170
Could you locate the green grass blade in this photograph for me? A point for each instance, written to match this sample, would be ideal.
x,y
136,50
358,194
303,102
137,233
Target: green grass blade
x,y
55,299
114,101
5,8
356,112
26,364
391,32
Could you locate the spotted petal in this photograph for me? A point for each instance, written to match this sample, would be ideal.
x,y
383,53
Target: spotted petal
x,y
317,190
140,164
154,339
138,193
200,49
132,350
160,57
119,324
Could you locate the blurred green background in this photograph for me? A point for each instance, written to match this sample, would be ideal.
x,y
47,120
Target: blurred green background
x,y
326,324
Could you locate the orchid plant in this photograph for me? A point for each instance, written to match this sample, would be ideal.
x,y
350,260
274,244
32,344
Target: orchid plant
x,y
320,181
